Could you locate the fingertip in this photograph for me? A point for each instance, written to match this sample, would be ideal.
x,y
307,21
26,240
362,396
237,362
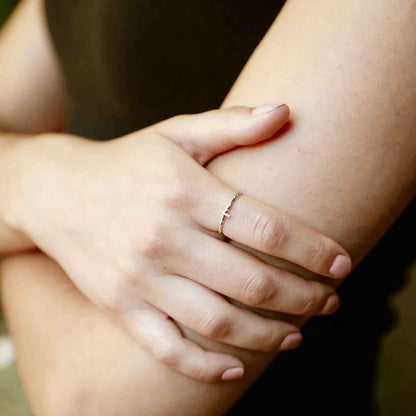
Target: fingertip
x,y
232,374
341,266
285,109
331,305
269,108
261,123
291,341
223,367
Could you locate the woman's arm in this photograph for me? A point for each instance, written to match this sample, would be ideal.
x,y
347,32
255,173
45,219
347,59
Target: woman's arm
x,y
31,96
31,82
136,249
348,164
338,63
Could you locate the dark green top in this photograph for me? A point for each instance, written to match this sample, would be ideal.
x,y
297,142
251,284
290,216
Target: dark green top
x,y
131,63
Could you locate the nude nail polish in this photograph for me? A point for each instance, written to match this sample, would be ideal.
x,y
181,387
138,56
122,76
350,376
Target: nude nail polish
x,y
341,266
265,108
233,374
331,305
291,341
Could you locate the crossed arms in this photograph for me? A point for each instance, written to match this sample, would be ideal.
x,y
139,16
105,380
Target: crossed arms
x,y
345,167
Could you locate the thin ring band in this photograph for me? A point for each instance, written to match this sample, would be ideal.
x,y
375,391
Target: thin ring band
x,y
227,212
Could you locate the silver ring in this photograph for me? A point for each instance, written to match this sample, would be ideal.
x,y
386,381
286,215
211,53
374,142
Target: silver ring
x,y
227,212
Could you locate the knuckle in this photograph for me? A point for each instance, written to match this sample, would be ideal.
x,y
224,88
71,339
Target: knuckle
x,y
270,231
168,354
310,303
257,290
179,194
112,298
316,254
129,267
216,327
201,373
269,340
154,244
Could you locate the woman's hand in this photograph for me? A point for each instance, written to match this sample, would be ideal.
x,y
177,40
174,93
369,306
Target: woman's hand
x,y
134,222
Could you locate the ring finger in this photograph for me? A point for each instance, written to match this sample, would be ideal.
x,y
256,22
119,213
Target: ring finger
x,y
268,230
233,272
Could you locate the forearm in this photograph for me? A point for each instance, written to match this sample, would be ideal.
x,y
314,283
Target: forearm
x,y
328,180
13,160
31,100
347,165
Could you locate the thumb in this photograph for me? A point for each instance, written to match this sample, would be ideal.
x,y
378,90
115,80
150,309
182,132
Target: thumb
x,y
208,134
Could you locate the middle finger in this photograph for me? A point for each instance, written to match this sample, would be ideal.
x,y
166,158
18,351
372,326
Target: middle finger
x,y
239,275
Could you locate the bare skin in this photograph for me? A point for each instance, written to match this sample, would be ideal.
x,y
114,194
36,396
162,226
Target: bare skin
x,y
144,248
350,185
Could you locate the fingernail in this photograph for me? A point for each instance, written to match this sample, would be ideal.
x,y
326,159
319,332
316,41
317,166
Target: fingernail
x,y
265,108
341,266
331,305
291,341
233,374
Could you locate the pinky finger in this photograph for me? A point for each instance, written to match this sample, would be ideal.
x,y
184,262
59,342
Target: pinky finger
x,y
160,336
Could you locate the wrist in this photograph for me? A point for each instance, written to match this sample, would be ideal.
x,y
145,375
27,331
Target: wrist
x,y
14,153
25,163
